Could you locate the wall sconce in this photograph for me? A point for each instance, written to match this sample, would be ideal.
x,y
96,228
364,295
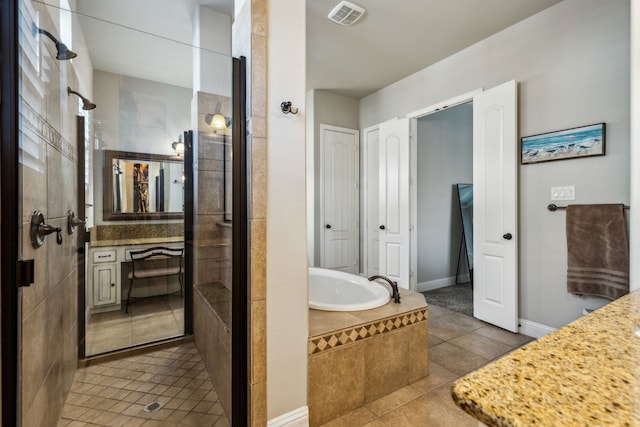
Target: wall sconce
x,y
64,53
86,104
217,121
178,146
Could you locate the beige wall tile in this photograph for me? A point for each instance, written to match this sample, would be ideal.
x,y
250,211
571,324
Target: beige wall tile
x,y
258,87
258,243
258,404
258,201
336,383
418,351
258,340
386,364
259,17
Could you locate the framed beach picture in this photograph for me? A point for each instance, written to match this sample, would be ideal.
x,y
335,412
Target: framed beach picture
x,y
572,143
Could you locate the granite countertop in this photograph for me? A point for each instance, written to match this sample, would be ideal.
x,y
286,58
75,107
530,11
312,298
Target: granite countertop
x,y
586,373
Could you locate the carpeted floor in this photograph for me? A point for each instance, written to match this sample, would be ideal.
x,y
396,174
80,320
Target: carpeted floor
x,y
456,298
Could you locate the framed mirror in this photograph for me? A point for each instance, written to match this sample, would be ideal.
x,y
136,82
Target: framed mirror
x,y
142,186
465,199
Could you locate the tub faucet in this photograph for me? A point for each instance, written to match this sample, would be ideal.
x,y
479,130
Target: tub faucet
x,y
394,287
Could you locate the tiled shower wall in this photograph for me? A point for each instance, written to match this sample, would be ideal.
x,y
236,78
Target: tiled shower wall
x,y
212,246
49,160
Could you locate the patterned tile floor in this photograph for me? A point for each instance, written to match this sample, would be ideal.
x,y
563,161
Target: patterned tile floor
x,y
458,344
116,393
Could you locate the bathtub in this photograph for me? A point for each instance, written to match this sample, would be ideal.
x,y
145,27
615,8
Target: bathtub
x,y
332,290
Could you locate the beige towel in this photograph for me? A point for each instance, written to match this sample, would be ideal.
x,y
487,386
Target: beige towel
x,y
597,249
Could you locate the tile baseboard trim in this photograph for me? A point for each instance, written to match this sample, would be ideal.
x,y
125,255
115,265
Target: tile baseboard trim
x,y
296,418
533,329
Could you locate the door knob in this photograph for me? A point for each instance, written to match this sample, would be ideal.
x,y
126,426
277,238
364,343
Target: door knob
x,y
327,226
507,236
382,227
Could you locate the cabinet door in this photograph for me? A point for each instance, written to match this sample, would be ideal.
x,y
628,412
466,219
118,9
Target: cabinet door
x,y
104,285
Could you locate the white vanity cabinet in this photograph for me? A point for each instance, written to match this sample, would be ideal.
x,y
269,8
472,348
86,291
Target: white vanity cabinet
x,y
104,285
103,281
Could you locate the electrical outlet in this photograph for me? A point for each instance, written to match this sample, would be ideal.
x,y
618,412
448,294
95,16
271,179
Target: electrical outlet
x,y
567,192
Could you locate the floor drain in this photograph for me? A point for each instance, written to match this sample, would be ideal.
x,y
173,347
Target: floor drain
x,y
153,407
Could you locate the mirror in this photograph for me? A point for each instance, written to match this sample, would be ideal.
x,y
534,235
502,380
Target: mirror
x,y
140,186
465,197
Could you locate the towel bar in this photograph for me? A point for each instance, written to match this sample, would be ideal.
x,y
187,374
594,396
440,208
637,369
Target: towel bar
x,y
552,207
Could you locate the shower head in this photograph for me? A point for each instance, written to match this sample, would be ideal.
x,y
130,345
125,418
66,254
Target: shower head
x,y
64,53
86,104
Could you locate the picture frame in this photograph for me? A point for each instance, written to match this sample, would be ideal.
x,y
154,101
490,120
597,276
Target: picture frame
x,y
578,142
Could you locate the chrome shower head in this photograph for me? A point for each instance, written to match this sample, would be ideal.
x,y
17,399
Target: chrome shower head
x,y
64,52
86,104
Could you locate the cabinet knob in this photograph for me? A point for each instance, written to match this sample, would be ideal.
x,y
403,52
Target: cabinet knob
x,y
382,227
113,284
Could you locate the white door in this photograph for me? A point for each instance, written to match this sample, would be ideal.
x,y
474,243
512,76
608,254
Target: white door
x,y
495,163
371,137
394,201
339,176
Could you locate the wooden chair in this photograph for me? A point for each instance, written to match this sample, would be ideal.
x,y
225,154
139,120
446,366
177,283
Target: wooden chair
x,y
155,262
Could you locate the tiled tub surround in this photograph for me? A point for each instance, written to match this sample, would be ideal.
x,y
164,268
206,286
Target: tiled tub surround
x,y
358,357
585,373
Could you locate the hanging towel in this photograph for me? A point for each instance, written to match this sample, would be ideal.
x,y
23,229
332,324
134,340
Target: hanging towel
x,y
597,251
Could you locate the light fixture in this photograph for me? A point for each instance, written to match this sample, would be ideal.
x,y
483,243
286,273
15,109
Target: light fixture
x,y
64,52
216,121
86,104
178,146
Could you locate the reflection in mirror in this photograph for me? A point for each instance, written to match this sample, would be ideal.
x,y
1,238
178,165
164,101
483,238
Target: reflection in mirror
x,y
142,186
465,197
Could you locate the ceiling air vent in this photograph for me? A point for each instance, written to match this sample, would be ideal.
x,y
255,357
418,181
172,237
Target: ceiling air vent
x,y
346,13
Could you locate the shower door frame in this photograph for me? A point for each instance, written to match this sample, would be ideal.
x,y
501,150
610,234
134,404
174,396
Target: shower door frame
x,y
9,214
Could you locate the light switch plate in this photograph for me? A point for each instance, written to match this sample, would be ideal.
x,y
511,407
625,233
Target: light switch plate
x,y
567,192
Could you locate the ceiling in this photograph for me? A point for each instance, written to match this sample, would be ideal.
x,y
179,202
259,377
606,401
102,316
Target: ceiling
x,y
394,38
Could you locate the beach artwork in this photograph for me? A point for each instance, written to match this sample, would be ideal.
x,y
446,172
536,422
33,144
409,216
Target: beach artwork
x,y
564,144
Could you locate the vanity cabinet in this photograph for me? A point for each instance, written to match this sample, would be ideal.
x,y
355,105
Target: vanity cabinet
x,y
105,267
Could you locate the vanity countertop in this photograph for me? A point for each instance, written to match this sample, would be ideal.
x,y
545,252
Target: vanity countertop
x,y
585,373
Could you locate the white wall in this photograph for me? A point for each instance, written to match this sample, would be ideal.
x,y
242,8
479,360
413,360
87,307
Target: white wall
x,y
445,158
334,110
287,289
572,65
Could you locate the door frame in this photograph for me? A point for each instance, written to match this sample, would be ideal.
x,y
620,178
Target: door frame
x,y
413,173
364,213
322,219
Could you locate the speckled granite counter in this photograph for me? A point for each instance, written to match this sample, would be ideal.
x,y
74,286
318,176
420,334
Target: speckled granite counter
x,y
586,373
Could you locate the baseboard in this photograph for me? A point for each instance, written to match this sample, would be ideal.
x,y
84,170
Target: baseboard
x,y
533,329
441,283
296,418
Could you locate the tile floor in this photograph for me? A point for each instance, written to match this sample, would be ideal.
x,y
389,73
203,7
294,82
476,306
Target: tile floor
x,y
148,320
458,344
115,393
